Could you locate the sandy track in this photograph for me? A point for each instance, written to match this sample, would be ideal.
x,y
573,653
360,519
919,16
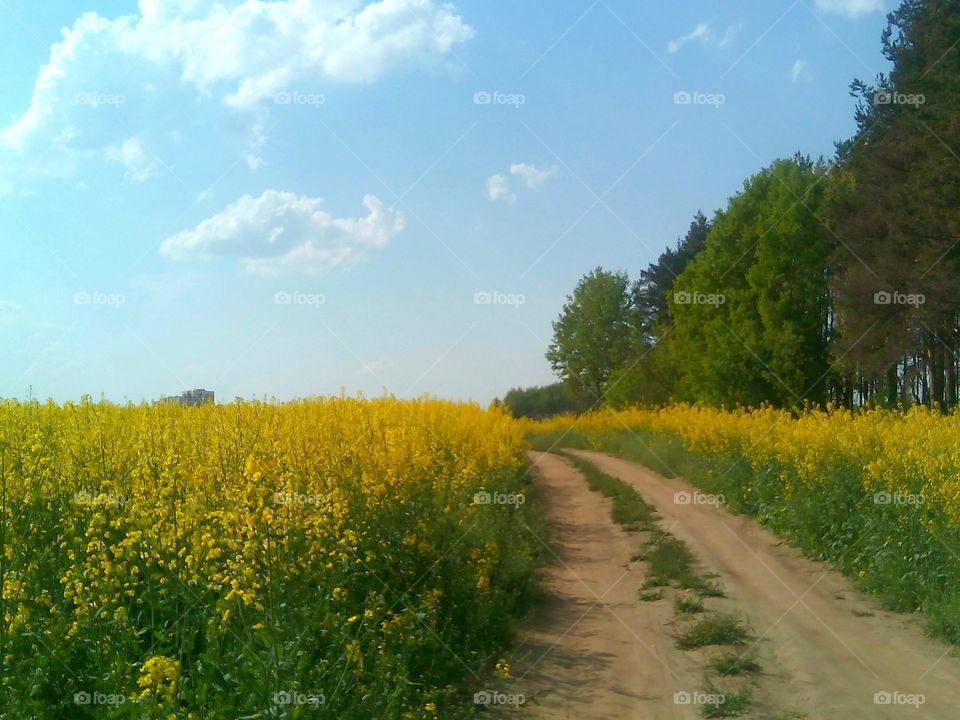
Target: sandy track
x,y
830,662
593,649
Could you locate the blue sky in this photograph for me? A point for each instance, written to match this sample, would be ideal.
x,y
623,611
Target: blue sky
x,y
295,197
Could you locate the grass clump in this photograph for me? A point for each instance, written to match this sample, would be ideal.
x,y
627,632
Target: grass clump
x,y
687,604
734,664
715,629
669,558
727,704
629,508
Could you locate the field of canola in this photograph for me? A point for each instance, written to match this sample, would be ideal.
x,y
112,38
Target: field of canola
x,y
324,558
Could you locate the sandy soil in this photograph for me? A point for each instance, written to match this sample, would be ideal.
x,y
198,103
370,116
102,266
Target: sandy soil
x,y
593,649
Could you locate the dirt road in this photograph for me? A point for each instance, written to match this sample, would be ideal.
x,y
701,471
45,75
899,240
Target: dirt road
x,y
593,650
824,655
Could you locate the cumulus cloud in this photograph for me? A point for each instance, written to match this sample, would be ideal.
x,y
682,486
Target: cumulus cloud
x,y
800,72
258,138
138,164
850,8
532,175
260,48
498,186
236,53
281,232
704,34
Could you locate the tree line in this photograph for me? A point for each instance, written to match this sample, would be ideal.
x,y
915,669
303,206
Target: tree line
x,y
830,281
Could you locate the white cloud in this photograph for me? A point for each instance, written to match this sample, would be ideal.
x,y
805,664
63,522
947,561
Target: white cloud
x,y
800,72
499,187
698,33
253,160
704,34
531,175
282,232
730,35
850,8
258,138
139,165
237,53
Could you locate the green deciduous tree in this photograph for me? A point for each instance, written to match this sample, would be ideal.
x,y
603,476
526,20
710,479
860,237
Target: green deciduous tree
x,y
750,313
541,401
647,376
592,338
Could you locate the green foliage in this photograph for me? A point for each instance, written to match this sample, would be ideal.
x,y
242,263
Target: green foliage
x,y
729,704
715,320
669,560
896,212
647,376
775,299
651,293
592,336
734,664
714,629
742,333
629,508
687,604
153,536
539,403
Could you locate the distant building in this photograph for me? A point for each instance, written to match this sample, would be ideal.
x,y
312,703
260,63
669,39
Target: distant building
x,y
190,397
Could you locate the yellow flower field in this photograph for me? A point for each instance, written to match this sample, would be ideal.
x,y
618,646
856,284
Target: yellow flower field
x,y
256,560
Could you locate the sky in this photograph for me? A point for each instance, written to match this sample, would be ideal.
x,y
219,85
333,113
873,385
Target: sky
x,y
287,198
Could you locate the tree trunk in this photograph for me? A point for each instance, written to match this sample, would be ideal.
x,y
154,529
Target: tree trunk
x,y
951,377
935,374
892,386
